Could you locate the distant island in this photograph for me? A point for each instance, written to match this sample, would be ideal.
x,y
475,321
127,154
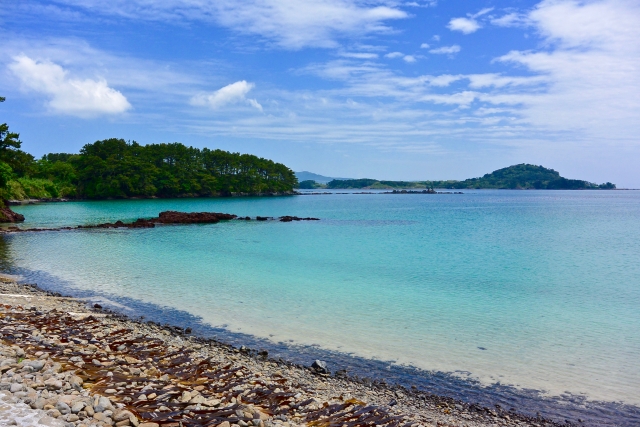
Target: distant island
x,y
522,176
310,176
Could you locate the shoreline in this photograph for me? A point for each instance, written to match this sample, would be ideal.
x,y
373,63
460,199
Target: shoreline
x,y
400,406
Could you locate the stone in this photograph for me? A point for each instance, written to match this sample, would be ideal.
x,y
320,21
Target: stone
x,y
63,407
197,400
320,366
37,365
53,384
54,413
77,407
99,416
103,404
148,425
15,387
122,414
76,383
39,403
224,424
123,423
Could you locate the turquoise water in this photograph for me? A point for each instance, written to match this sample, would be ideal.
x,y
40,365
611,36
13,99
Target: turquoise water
x,y
535,289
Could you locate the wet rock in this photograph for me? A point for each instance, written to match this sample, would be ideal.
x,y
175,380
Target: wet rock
x,y
320,367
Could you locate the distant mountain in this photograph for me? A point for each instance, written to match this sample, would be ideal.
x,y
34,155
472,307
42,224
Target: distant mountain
x,y
310,176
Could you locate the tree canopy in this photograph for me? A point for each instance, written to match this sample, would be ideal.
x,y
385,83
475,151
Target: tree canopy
x,y
115,168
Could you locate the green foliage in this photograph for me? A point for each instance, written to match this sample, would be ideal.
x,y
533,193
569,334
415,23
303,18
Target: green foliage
x,y
5,174
310,185
373,184
115,168
524,176
351,183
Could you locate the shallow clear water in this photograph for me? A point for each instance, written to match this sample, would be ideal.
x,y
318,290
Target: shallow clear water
x,y
536,289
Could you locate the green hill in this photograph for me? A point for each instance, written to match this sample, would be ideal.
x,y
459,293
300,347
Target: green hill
x,y
524,176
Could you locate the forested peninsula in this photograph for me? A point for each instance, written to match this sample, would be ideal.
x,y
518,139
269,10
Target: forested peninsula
x,y
522,176
115,168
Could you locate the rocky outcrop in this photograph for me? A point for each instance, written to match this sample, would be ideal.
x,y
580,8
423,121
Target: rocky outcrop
x,y
166,217
174,217
7,215
169,217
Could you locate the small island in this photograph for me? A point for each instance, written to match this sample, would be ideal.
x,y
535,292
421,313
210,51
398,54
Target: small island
x,y
517,177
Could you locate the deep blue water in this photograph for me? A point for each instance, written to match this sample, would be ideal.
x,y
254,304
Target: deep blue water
x,y
508,290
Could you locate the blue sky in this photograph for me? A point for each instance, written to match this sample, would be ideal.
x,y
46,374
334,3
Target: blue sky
x,y
363,88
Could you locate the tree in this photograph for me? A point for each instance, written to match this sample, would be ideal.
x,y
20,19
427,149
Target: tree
x,y
8,139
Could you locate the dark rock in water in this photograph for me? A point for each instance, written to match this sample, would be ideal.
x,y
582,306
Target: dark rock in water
x,y
320,367
169,217
98,306
174,217
262,218
188,331
295,218
263,353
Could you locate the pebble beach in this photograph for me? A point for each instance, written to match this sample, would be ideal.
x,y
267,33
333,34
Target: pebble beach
x,y
64,363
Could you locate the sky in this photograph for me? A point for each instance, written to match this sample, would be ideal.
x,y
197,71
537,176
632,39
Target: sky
x,y
405,90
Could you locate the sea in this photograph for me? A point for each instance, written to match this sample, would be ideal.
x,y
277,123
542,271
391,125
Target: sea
x,y
525,299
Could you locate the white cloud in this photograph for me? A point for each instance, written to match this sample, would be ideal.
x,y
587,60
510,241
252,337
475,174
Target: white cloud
x,y
510,20
358,55
424,46
446,50
461,99
468,25
465,25
231,94
394,55
409,58
72,96
292,24
477,81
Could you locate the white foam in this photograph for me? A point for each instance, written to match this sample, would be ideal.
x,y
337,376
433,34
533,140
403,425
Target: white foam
x,y
14,413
